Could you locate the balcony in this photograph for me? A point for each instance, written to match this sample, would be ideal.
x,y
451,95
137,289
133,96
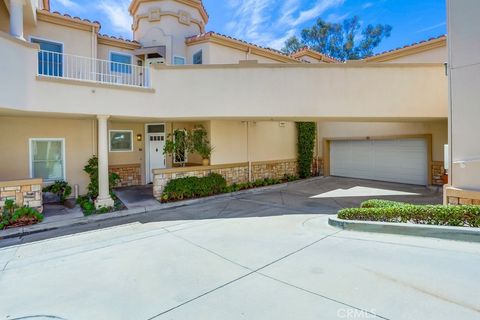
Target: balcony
x,y
66,66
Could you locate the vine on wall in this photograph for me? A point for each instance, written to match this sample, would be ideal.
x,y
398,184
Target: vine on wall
x,y
306,132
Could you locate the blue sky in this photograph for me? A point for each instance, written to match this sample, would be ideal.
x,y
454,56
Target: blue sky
x,y
270,22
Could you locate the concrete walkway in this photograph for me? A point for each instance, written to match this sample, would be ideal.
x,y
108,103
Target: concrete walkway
x,y
271,267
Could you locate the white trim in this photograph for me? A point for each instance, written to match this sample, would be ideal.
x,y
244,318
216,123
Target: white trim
x,y
30,156
110,142
184,60
147,149
51,41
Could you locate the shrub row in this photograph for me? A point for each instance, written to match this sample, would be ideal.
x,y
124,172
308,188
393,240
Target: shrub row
x,y
460,216
376,203
193,187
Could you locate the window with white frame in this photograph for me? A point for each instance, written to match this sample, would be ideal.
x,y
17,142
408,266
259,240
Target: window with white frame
x,y
121,140
47,158
178,60
120,63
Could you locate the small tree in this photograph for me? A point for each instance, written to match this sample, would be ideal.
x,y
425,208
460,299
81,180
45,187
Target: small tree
x,y
342,41
182,142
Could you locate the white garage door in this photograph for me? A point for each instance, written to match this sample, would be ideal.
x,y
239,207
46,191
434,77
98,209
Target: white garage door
x,y
403,160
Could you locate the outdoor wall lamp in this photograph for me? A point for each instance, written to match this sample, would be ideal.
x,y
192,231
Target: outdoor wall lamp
x,y
139,137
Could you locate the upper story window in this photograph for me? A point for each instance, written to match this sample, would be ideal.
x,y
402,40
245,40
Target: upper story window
x,y
120,62
198,57
50,57
178,60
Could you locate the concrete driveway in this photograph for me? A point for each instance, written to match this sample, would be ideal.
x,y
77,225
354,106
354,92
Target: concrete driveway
x,y
261,256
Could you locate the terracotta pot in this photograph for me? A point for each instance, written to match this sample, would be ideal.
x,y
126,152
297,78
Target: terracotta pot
x,y
206,162
445,178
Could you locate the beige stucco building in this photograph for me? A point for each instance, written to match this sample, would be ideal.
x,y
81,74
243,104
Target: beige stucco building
x,y
69,92
464,71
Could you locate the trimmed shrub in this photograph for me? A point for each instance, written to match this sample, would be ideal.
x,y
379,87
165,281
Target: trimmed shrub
x,y
459,216
305,145
376,203
194,187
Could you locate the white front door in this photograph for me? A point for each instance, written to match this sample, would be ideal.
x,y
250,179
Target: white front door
x,y
156,158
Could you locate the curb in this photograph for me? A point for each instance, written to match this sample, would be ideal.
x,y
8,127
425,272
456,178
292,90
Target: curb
x,y
48,226
418,230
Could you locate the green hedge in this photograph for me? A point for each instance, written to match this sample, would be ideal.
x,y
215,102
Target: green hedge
x,y
375,203
305,145
460,216
193,187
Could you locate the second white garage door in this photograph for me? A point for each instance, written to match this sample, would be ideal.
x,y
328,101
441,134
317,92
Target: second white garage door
x,y
402,160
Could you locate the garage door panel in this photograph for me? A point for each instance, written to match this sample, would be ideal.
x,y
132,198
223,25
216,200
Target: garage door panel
x,y
403,160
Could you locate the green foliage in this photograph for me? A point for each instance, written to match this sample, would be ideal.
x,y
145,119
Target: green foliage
x,y
193,187
60,188
341,41
306,132
376,203
92,170
13,214
429,214
9,208
183,141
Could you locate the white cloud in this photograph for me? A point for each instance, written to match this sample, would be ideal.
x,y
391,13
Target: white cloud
x,y
71,5
262,21
117,13
433,27
367,5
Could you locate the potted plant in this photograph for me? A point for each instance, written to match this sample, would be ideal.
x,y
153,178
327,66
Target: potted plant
x,y
205,150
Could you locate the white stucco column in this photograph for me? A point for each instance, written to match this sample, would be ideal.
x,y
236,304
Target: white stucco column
x,y
104,199
16,18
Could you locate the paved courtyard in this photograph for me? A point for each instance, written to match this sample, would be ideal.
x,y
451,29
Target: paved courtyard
x,y
259,256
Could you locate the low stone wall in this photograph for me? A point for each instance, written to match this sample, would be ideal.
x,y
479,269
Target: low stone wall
x,y
130,174
276,169
233,173
437,173
23,192
455,196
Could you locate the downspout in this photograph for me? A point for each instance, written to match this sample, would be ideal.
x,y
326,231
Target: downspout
x,y
248,153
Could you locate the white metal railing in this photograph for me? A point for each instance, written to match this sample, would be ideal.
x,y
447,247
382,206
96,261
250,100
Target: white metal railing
x,y
68,66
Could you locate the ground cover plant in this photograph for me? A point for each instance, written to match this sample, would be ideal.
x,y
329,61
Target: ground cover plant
x,y
14,216
391,211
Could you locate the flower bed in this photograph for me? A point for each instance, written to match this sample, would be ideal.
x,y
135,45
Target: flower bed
x,y
390,211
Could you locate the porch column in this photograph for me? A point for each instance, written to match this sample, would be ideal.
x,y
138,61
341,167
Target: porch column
x,y
16,18
104,199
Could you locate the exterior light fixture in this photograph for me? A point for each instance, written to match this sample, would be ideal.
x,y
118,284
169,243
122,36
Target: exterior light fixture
x,y
139,137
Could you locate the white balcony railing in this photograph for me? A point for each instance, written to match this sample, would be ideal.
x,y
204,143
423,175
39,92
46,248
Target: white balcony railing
x,y
67,66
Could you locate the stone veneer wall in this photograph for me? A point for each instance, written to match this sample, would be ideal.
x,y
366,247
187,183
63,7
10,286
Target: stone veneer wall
x,y
437,173
274,169
23,192
130,174
455,196
233,173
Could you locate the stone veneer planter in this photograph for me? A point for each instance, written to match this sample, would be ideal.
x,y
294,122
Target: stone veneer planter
x,y
23,192
455,196
130,174
233,173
